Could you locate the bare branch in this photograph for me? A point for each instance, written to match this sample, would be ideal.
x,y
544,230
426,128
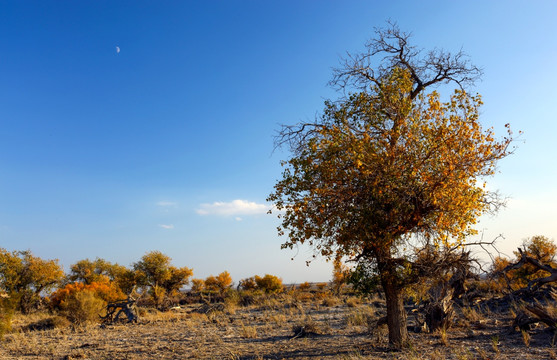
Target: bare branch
x,y
391,48
535,283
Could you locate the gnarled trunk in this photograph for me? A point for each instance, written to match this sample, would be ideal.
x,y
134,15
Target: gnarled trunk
x,y
396,314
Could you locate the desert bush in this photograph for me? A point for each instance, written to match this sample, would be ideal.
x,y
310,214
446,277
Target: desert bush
x,y
218,283
82,307
302,296
305,286
106,291
247,284
248,332
269,283
341,273
197,285
6,315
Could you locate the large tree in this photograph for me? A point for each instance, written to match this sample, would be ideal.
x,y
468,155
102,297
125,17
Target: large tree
x,y
390,167
24,277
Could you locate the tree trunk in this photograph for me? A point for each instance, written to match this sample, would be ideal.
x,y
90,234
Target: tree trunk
x,y
396,314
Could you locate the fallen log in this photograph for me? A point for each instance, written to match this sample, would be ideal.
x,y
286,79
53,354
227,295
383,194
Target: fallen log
x,y
115,309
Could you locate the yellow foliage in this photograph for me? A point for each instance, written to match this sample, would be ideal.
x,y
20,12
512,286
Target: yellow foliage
x,y
538,247
25,276
305,286
154,271
218,283
197,285
385,167
269,283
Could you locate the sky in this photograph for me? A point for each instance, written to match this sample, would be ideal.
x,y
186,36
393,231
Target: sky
x,y
132,126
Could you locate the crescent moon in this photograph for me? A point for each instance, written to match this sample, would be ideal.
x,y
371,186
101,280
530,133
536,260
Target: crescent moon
x,y
117,49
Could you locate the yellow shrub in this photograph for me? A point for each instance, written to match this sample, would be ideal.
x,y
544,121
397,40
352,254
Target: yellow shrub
x,y
82,307
269,283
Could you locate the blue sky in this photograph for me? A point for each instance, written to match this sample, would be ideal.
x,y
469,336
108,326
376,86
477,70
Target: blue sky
x,y
168,143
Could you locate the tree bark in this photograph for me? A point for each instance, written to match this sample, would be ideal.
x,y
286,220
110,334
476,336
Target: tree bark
x,y
396,314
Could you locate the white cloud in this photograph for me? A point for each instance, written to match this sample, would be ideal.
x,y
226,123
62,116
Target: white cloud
x,y
167,204
168,227
233,208
237,218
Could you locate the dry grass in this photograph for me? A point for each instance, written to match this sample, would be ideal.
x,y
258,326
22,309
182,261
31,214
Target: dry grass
x,y
353,301
279,328
360,316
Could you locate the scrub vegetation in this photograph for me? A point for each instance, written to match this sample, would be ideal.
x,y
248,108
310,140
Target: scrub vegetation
x,y
387,184
507,312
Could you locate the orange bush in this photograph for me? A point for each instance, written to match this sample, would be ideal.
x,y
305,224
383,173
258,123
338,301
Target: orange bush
x,y
219,283
106,291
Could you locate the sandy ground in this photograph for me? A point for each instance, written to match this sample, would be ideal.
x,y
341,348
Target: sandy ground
x,y
267,331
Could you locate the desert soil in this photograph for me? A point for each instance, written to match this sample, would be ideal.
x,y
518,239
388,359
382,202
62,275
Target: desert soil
x,y
268,331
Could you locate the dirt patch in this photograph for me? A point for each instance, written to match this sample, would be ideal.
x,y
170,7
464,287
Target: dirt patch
x,y
280,331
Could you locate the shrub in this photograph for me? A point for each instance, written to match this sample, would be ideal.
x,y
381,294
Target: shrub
x,y
218,283
341,273
105,291
197,285
82,307
6,314
305,286
248,284
269,283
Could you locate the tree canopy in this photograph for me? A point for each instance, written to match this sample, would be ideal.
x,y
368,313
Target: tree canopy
x,y
155,271
24,276
390,167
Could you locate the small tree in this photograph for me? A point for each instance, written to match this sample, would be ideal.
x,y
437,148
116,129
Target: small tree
x,y
88,271
389,167
24,277
100,270
269,283
155,272
218,283
340,276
